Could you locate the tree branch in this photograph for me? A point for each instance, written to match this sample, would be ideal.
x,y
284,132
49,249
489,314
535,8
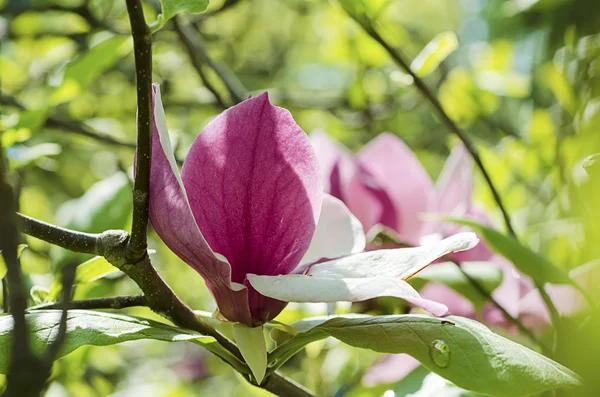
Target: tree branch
x,y
483,291
190,47
400,60
196,48
113,244
74,126
86,243
68,278
142,47
26,373
115,302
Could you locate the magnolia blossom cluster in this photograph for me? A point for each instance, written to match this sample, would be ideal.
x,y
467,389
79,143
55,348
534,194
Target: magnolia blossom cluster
x,y
249,214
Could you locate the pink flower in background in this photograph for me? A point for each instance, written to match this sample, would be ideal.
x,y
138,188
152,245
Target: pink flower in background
x,y
385,184
248,213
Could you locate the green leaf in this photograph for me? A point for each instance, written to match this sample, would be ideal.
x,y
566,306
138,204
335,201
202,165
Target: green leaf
x,y
99,329
39,294
528,262
89,271
170,8
461,350
251,341
486,273
83,71
434,53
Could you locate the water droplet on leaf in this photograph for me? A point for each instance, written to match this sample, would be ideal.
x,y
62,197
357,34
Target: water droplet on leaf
x,y
440,353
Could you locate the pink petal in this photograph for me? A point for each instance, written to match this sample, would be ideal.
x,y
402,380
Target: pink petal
x,y
507,294
390,369
457,304
328,153
173,221
454,186
401,174
253,184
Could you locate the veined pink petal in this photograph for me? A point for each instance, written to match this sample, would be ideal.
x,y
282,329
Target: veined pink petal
x,y
173,221
401,174
252,180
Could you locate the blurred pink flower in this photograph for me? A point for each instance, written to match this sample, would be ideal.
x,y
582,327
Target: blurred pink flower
x,y
385,184
248,213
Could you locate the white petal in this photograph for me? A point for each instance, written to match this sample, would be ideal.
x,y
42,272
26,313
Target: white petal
x,y
338,232
300,288
400,263
251,342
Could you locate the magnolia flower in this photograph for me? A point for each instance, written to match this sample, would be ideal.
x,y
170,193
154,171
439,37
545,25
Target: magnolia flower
x,y
385,184
248,213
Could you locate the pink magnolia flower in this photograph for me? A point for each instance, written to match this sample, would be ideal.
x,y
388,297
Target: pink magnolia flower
x,y
248,213
385,184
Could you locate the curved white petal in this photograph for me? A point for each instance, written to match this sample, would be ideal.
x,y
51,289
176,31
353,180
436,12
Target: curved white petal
x,y
300,288
400,263
338,232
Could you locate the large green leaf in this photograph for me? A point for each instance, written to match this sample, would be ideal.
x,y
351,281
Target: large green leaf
x,y
461,350
99,329
82,71
528,262
486,274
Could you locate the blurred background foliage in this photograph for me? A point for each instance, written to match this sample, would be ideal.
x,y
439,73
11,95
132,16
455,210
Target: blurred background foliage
x,y
524,82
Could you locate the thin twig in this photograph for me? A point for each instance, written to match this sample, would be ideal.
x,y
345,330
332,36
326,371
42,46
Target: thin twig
x,y
75,126
5,306
400,60
236,89
142,48
483,291
86,243
68,278
115,302
189,45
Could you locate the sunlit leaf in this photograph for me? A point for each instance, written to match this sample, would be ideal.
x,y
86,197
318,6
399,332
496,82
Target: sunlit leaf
x,y
251,342
98,329
170,8
461,350
434,53
82,71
